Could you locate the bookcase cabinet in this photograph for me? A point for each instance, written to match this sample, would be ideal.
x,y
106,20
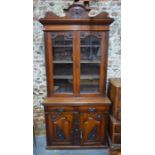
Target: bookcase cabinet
x,y
76,106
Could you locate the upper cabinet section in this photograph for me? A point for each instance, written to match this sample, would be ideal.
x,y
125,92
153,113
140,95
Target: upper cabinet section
x,y
76,52
76,15
76,63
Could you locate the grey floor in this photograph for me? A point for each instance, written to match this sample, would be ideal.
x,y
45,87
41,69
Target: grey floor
x,y
40,150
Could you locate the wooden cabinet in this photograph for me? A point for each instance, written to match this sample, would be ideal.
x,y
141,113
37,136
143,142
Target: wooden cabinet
x,y
76,106
77,123
115,116
115,96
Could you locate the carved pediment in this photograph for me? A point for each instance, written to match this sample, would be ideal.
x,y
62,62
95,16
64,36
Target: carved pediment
x,y
77,14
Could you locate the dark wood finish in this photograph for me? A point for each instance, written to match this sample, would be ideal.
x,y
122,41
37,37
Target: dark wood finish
x,y
92,127
115,96
76,125
49,66
77,147
75,28
77,15
78,61
103,63
77,101
76,119
60,125
74,65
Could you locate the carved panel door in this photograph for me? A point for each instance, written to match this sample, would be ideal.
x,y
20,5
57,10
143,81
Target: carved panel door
x,y
92,128
59,128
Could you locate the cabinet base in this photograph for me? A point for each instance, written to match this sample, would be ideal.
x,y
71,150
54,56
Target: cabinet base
x,y
78,147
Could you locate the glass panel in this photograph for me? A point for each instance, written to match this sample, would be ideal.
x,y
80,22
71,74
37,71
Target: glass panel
x,y
89,79
88,69
62,62
90,47
90,62
63,86
62,54
89,86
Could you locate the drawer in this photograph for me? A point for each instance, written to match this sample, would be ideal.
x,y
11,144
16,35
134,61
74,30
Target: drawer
x,y
118,115
114,126
117,129
116,139
93,108
58,109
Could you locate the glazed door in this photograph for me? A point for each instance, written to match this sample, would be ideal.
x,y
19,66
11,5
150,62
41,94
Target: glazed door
x,y
76,63
91,62
92,128
60,60
59,128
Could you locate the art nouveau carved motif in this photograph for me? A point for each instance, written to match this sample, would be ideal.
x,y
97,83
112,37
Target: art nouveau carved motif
x,y
61,125
77,12
92,126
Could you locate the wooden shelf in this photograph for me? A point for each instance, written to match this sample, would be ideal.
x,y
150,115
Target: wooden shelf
x,y
62,46
81,77
90,46
90,61
69,61
89,77
62,62
63,77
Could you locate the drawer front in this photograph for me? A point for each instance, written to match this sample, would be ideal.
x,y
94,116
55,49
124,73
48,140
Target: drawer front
x,y
115,96
116,139
112,93
118,115
93,108
117,128
114,126
119,97
58,109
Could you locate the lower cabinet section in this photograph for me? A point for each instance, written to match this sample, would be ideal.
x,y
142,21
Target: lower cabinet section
x,y
76,126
